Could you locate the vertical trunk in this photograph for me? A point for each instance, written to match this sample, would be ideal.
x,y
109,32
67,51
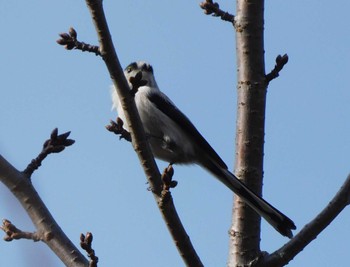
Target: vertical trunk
x,y
251,88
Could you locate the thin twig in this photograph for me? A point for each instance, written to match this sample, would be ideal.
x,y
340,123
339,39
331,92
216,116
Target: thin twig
x,y
12,232
56,143
116,127
69,41
85,243
280,62
213,8
282,256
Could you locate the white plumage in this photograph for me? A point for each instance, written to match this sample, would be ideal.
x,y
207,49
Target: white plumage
x,y
173,138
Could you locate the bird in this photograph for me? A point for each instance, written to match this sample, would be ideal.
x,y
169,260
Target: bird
x,y
173,138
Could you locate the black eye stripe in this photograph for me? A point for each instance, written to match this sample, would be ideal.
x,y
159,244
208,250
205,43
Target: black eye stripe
x,y
131,67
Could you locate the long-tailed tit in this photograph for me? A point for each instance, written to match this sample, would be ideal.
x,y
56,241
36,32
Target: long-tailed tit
x,y
173,138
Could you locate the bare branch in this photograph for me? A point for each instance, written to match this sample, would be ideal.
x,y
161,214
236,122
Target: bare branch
x,y
12,232
213,8
69,41
138,137
280,62
310,231
85,243
47,228
56,143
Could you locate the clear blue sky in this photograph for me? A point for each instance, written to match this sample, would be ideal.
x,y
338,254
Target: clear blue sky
x,y
97,184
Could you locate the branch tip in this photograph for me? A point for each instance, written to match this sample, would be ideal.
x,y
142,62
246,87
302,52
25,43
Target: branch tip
x,y
69,41
280,62
73,33
12,232
168,182
57,143
86,244
117,128
213,8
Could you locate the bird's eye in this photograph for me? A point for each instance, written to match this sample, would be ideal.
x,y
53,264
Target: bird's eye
x,y
131,67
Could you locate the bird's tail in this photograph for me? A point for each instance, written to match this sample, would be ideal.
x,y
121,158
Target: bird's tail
x,y
277,219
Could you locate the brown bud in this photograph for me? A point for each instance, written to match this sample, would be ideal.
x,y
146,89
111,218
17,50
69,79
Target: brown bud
x,y
65,36
54,133
72,33
173,184
69,142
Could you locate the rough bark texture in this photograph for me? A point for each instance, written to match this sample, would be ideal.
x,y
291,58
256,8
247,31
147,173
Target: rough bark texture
x,y
251,87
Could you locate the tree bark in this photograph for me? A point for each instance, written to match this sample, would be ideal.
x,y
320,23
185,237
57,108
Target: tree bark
x,y
251,100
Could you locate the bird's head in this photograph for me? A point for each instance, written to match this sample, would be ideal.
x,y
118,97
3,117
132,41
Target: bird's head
x,y
146,69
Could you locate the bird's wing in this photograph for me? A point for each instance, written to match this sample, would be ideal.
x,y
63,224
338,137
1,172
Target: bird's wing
x,y
170,110
214,164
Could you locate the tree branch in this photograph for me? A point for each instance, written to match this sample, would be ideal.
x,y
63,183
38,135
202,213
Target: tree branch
x,y
69,41
280,62
55,144
116,127
250,128
311,230
12,232
138,137
213,8
48,230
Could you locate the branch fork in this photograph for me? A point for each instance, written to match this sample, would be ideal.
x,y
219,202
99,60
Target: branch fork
x,y
12,232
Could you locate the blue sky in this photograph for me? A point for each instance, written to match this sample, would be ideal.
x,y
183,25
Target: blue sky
x,y
97,185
